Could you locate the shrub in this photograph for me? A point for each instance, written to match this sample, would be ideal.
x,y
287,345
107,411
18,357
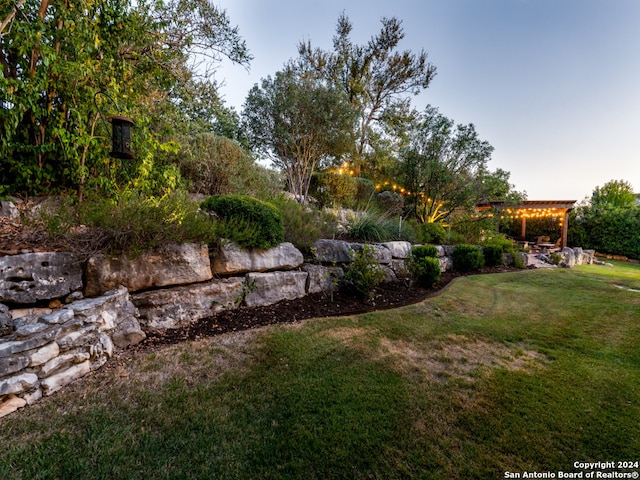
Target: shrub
x,y
432,233
364,274
133,223
249,222
304,224
390,202
216,165
492,255
374,227
423,251
467,258
425,271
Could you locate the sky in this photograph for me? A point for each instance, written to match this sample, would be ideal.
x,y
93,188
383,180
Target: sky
x,y
552,85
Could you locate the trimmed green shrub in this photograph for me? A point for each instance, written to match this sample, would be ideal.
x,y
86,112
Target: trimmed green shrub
x,y
467,258
492,255
424,270
423,251
249,222
364,274
432,233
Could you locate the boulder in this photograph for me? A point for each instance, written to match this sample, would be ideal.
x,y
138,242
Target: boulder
x,y
381,254
32,277
175,264
399,267
56,382
10,404
9,210
568,257
400,250
446,264
18,383
270,288
322,278
180,306
231,259
9,365
332,251
6,322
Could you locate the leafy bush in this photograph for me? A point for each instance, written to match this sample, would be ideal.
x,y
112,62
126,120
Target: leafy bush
x,y
423,265
374,227
431,233
467,258
216,165
364,274
390,202
133,223
249,222
492,255
425,270
304,224
423,251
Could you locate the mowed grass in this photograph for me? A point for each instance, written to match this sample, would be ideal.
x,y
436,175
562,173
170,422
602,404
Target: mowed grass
x,y
527,371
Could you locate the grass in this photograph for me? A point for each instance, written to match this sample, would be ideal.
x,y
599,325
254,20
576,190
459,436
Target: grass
x,y
527,371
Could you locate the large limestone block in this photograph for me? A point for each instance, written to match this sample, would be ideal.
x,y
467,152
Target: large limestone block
x,y
9,210
10,404
381,254
180,306
18,383
400,250
273,287
322,278
175,264
44,354
9,365
568,257
32,277
56,382
114,313
231,259
332,251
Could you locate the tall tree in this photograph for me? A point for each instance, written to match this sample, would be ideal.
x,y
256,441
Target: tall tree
x,y
298,121
444,168
615,193
377,79
65,65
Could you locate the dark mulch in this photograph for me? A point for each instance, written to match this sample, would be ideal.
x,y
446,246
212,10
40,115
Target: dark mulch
x,y
391,295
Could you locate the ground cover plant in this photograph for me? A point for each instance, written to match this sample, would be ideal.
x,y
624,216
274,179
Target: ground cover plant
x,y
523,371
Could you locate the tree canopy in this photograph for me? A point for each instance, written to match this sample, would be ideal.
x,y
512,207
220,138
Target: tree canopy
x,y
378,81
615,193
298,121
66,66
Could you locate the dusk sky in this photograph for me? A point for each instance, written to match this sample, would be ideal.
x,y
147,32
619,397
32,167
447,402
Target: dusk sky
x,y
553,85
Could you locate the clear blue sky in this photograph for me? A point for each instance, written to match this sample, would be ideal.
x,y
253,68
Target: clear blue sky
x,y
553,85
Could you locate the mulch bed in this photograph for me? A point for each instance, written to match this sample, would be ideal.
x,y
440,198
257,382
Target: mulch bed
x,y
319,305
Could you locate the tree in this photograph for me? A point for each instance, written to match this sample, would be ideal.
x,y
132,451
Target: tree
x,y
297,121
66,65
615,193
444,168
376,79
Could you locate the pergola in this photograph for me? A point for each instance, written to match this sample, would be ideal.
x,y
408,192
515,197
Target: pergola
x,y
536,209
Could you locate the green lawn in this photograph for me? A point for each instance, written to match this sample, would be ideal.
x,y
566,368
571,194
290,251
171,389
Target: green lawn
x,y
527,371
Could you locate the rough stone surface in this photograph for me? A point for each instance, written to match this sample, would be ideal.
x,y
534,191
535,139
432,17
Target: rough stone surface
x,y
322,278
399,267
9,365
128,332
11,404
446,263
56,382
172,265
63,362
18,383
270,288
32,277
6,322
178,306
398,249
381,254
230,259
332,251
44,354
568,257
524,258
9,210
